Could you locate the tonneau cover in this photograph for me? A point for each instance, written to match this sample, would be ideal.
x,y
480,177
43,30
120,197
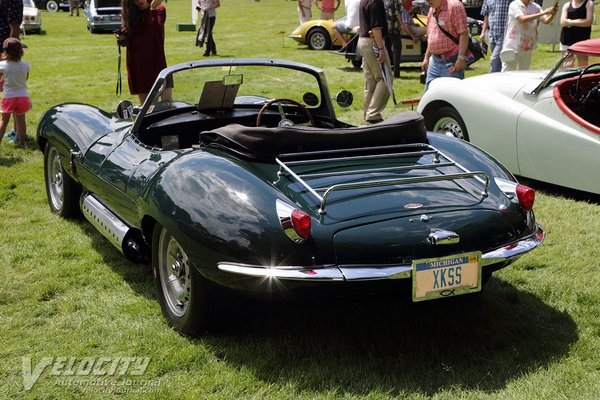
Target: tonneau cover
x,y
266,143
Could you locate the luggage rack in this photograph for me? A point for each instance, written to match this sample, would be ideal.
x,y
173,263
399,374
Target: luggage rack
x,y
314,158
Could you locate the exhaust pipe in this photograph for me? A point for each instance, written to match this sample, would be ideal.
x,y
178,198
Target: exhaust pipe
x,y
127,240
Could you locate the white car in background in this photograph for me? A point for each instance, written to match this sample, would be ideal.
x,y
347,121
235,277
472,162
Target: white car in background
x,y
102,15
32,18
543,125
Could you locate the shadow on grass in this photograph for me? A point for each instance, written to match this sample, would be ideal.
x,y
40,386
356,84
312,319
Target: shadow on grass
x,y
389,345
137,276
9,160
385,343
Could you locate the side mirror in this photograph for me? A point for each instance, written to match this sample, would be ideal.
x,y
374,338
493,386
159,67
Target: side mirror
x,y
125,109
344,98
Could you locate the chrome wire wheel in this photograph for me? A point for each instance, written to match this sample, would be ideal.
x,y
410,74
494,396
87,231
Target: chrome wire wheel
x,y
175,274
450,127
446,121
55,179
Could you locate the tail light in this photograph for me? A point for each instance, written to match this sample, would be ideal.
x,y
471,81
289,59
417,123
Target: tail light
x,y
301,223
296,224
526,196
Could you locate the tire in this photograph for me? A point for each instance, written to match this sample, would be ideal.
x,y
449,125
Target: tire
x,y
62,191
52,6
318,39
357,63
446,120
183,293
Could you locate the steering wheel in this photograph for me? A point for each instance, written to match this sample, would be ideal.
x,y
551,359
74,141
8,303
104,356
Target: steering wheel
x,y
279,102
577,94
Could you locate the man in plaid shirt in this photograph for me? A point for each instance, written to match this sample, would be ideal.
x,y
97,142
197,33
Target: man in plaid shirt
x,y
444,57
495,14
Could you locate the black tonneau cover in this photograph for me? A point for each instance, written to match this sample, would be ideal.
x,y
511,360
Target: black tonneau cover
x,y
266,143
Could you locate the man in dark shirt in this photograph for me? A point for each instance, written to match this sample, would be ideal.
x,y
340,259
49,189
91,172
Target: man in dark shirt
x,y
372,31
11,16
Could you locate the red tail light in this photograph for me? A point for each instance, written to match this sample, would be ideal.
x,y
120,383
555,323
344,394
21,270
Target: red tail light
x,y
301,223
526,196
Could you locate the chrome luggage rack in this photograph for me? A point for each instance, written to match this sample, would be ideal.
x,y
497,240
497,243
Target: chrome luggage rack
x,y
316,158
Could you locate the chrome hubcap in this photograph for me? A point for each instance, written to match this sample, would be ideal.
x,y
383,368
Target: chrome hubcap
x,y
174,269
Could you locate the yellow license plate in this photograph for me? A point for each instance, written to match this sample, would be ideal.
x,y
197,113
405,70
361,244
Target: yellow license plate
x,y
435,278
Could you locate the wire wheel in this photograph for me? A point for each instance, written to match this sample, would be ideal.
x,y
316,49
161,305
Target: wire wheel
x,y
447,121
174,272
54,179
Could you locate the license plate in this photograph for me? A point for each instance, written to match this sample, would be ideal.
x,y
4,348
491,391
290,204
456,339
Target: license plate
x,y
435,278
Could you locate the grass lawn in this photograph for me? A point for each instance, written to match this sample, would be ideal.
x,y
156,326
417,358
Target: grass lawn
x,y
68,298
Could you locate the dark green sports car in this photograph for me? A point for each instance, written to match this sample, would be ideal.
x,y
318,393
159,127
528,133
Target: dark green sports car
x,y
227,178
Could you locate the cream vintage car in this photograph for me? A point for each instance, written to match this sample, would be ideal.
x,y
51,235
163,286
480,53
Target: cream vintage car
x,y
543,125
32,18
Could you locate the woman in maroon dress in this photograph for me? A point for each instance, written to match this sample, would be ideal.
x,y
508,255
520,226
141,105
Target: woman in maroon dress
x,y
143,24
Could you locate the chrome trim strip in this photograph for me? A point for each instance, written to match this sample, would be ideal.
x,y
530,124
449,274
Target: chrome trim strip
x,y
322,273
367,273
511,253
362,273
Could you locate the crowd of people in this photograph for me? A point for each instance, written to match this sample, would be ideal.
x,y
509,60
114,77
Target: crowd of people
x,y
510,26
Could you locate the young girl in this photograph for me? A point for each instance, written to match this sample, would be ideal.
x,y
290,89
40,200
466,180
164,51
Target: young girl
x,y
15,101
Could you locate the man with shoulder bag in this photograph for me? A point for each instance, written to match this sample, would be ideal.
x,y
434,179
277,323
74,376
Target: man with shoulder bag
x,y
446,22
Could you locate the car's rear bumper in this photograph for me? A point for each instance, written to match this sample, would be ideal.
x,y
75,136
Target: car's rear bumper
x,y
498,258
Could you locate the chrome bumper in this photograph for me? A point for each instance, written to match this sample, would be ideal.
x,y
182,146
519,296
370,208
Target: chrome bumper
x,y
504,254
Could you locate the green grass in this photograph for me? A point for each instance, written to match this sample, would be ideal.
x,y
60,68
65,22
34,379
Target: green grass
x,y
66,292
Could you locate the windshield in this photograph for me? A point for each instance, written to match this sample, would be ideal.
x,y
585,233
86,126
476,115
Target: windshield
x,y
222,87
28,3
573,64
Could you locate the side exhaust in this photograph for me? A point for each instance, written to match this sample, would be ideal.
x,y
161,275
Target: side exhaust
x,y
127,240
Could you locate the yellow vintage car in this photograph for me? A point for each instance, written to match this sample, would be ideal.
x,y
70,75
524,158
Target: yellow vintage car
x,y
317,34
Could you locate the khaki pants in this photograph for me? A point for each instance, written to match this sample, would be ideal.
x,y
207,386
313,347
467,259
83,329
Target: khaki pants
x,y
376,93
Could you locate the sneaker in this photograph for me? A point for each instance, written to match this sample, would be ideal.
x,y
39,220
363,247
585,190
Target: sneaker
x,y
15,140
10,134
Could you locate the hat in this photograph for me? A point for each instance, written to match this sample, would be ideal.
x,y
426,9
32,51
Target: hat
x,y
13,47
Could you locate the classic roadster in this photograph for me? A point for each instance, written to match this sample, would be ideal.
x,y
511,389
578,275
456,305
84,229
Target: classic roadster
x,y
227,178
543,125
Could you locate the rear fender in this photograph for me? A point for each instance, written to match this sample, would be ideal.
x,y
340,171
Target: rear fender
x,y
219,209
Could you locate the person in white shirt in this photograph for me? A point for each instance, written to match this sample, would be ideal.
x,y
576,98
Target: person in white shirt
x,y
521,34
14,74
348,22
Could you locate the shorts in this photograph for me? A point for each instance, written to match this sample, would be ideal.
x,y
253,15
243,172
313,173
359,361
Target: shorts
x,y
340,25
16,105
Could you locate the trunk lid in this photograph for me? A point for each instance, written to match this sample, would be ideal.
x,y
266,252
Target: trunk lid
x,y
389,200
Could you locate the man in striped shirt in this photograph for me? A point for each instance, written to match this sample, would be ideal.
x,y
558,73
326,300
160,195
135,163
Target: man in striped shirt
x,y
495,15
